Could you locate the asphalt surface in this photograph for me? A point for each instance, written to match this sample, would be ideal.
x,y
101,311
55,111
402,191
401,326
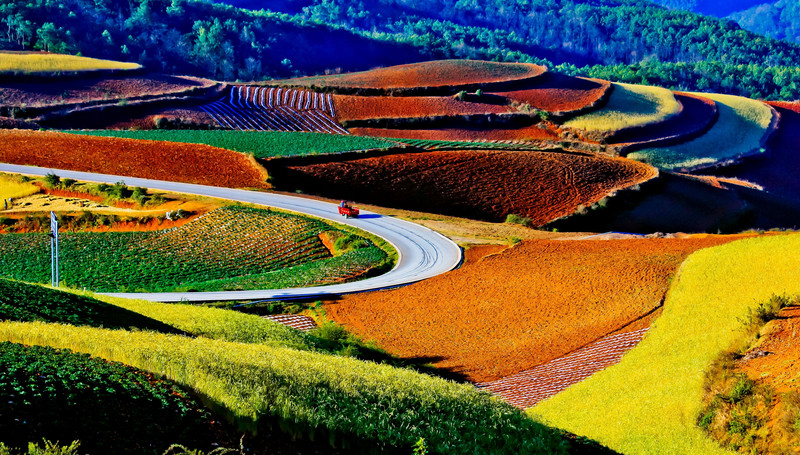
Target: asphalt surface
x,y
423,252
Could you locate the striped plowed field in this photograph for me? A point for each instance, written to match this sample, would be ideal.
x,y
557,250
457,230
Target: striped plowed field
x,y
477,184
528,133
696,117
555,92
295,321
189,163
527,388
275,109
439,73
508,310
351,107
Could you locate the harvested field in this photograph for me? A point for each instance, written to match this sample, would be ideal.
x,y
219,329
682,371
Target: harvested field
x,y
188,163
559,93
508,310
528,133
475,184
34,94
440,73
351,107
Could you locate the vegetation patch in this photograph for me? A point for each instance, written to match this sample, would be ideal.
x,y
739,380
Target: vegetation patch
x,y
741,129
12,187
714,292
35,63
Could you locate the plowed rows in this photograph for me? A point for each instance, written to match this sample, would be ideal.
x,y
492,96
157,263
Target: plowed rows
x,y
560,93
697,115
190,163
374,107
456,134
475,184
82,90
527,388
294,321
439,73
507,312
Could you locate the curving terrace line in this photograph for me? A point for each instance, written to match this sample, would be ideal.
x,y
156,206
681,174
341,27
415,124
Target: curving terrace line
x,y
423,253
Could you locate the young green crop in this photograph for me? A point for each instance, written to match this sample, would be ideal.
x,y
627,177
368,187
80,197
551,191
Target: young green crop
x,y
629,106
387,406
649,402
261,144
741,129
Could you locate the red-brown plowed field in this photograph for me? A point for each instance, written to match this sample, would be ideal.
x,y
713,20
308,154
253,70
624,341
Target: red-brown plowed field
x,y
438,73
528,133
82,90
373,107
508,311
697,115
190,163
560,93
475,184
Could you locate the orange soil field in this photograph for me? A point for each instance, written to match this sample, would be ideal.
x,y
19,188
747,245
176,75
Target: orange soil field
x,y
508,310
440,73
560,93
781,368
528,133
188,163
371,107
81,90
473,184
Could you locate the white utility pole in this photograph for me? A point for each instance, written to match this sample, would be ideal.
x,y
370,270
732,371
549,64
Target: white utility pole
x,y
53,249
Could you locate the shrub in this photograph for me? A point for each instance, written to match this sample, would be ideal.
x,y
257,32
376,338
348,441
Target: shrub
x,y
518,219
52,180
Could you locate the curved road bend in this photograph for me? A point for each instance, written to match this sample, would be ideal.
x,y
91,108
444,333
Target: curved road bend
x,y
423,252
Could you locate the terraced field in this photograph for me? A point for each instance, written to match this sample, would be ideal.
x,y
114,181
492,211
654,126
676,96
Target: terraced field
x,y
43,63
529,133
352,107
558,93
743,127
229,248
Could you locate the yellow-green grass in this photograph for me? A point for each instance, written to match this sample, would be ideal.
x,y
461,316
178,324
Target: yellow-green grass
x,y
12,188
42,63
629,106
649,402
741,129
256,383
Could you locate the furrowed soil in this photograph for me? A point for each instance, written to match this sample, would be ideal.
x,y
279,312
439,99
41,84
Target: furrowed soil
x,y
68,91
487,185
509,309
560,93
374,107
189,163
528,133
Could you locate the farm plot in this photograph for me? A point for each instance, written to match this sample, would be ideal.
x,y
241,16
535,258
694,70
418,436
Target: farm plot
x,y
629,106
506,311
528,133
12,188
655,392
275,109
742,129
450,74
224,244
471,183
558,93
42,63
160,161
352,107
261,144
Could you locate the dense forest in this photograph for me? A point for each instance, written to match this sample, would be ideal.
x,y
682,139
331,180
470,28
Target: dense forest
x,y
618,39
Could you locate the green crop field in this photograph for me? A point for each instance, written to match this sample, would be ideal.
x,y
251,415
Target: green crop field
x,y
42,63
649,402
629,106
261,144
741,129
210,252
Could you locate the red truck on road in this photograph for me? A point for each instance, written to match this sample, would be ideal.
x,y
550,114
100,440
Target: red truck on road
x,y
345,209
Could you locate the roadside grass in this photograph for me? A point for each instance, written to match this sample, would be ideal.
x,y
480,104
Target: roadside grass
x,y
304,391
629,106
741,129
649,402
41,63
12,187
261,144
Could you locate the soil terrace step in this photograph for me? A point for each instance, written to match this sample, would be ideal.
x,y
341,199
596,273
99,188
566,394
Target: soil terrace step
x,y
527,388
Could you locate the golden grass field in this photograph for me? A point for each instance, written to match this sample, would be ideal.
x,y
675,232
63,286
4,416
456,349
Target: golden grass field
x,y
43,63
629,106
12,188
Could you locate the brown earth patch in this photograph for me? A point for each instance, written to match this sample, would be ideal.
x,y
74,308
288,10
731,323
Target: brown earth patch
x,y
509,309
485,185
189,163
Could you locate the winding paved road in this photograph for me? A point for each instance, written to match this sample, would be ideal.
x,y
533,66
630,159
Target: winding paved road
x,y
423,252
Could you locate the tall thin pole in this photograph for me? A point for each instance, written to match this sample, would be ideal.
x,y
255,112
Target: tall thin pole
x,y
54,250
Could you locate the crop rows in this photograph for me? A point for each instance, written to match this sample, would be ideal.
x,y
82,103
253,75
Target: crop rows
x,y
223,244
275,109
432,144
